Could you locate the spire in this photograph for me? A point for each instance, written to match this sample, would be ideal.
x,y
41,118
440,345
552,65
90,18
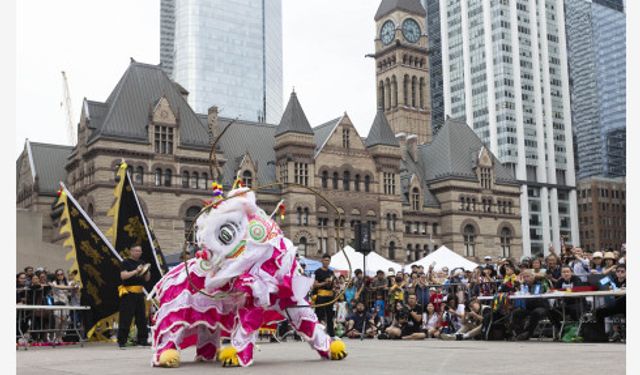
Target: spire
x,y
381,133
409,6
293,119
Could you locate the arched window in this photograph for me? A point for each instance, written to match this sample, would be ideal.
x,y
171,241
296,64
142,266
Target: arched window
x,y
90,210
247,179
158,177
356,183
413,91
421,92
367,182
167,177
409,253
387,94
346,179
299,215
335,180
305,217
505,242
302,246
392,250
417,255
139,175
393,222
325,179
189,216
469,241
415,198
394,88
194,180
389,221
381,95
185,179
203,181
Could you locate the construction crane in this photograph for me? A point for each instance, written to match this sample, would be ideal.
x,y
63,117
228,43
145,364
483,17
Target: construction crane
x,y
66,103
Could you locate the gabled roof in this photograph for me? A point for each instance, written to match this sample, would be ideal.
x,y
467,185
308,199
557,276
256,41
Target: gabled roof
x,y
380,132
257,139
49,161
321,133
407,169
293,119
454,152
95,112
126,110
410,6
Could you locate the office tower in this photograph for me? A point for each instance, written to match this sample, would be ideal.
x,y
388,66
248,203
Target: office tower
x,y
596,46
504,69
435,62
227,54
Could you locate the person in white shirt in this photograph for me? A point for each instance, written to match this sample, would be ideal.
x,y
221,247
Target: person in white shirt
x,y
580,264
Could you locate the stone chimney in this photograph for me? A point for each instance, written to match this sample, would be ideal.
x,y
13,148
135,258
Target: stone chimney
x,y
412,146
402,139
212,123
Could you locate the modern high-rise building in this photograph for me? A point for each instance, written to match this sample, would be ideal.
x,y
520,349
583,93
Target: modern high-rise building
x,y
596,43
504,68
435,62
226,53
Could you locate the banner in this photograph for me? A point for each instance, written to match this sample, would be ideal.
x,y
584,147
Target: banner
x,y
97,263
130,228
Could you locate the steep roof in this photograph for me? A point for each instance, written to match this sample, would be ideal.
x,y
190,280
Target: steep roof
x,y
293,119
408,168
258,139
49,161
454,152
410,6
380,132
126,111
322,132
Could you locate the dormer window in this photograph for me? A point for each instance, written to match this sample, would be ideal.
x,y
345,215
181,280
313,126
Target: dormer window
x,y
163,139
247,179
415,198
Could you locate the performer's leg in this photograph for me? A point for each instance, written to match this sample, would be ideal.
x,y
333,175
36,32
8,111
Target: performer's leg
x,y
243,338
141,318
124,318
208,344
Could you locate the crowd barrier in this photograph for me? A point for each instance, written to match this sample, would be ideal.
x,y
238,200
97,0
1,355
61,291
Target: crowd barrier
x,y
48,324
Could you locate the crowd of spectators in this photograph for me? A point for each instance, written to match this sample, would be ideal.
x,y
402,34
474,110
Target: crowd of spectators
x,y
41,287
425,303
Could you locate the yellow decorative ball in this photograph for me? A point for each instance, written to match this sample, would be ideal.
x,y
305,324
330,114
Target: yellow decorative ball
x,y
170,358
229,357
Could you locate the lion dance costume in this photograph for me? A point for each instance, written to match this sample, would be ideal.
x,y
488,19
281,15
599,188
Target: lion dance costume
x,y
251,278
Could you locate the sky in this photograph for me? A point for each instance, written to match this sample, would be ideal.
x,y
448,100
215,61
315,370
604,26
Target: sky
x,y
324,44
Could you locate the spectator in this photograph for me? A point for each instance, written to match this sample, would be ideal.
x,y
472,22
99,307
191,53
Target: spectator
x,y
21,288
380,284
597,263
486,285
360,321
453,314
396,292
436,298
618,305
61,291
488,262
431,321
408,321
509,283
609,263
537,270
534,309
29,271
422,290
579,264
568,281
472,325
553,269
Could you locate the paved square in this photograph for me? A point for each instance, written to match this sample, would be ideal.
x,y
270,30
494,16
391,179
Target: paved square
x,y
365,357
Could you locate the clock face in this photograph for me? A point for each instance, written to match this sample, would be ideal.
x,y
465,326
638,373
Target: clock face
x,y
411,30
388,32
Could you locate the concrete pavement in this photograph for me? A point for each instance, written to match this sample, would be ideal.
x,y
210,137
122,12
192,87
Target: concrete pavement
x,y
365,357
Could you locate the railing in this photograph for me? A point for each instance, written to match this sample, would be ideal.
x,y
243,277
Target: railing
x,y
48,323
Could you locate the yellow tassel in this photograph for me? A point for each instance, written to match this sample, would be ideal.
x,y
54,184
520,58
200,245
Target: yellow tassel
x,y
170,358
338,350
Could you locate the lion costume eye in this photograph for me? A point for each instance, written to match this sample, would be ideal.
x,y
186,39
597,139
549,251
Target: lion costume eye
x,y
227,233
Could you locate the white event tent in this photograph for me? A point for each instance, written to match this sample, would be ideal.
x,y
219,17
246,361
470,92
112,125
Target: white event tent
x,y
375,262
442,257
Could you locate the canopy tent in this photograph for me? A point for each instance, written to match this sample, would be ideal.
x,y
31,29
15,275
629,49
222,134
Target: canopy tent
x,y
444,257
374,263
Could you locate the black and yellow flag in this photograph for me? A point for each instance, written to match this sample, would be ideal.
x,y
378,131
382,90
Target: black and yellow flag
x,y
98,264
130,228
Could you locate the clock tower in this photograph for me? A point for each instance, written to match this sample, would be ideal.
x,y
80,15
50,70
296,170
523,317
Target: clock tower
x,y
402,67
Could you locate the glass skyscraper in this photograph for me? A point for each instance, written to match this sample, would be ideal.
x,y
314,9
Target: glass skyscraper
x,y
596,42
504,69
226,53
435,62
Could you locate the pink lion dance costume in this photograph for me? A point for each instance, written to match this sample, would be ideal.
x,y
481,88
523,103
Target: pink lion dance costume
x,y
250,273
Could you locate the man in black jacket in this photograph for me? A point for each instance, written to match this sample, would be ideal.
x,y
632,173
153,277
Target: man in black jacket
x,y
617,306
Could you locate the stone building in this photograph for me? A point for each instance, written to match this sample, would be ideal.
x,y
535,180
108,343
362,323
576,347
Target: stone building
x,y
602,213
417,192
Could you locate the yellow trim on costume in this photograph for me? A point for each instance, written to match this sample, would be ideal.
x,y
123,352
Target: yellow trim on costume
x,y
325,293
126,289
115,209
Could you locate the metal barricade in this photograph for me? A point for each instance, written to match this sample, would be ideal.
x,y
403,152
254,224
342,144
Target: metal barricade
x,y
46,322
